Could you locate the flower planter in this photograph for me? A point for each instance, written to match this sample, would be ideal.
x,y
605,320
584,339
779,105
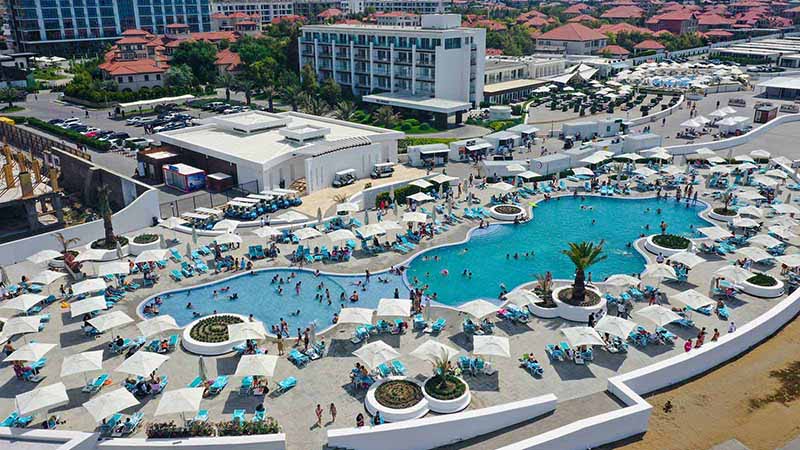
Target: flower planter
x,y
136,249
577,313
762,291
507,213
655,249
720,217
544,313
395,414
448,406
111,255
207,348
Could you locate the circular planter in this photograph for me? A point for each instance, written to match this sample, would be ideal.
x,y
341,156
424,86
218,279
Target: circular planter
x,y
507,213
544,313
762,291
395,414
136,249
720,217
577,313
655,249
448,406
110,255
207,348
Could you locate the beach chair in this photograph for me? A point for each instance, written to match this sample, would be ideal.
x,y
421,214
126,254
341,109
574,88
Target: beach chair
x,y
173,341
95,384
121,348
666,336
247,386
439,325
218,385
360,334
174,255
259,416
10,421
298,358
286,384
464,362
564,347
419,322
238,416
176,275
131,426
154,346
398,368
197,382
107,428
202,416
384,370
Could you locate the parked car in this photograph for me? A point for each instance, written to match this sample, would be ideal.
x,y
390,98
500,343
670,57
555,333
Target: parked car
x,y
211,106
67,122
135,121
116,136
138,142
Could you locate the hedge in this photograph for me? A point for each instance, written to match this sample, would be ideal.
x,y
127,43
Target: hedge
x,y
73,136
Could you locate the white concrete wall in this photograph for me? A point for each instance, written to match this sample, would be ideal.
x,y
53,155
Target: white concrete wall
x,y
736,140
259,442
430,432
452,72
658,115
320,171
69,440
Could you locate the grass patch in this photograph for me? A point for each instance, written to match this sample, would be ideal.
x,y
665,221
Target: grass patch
x,y
213,329
762,279
446,387
11,109
48,74
671,241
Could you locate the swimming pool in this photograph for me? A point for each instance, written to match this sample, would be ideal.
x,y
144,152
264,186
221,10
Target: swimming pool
x,y
555,223
257,295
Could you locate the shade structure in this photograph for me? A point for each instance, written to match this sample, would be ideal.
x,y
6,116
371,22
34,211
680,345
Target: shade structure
x,y
744,222
718,160
415,217
42,398
371,230
110,403
390,225
527,175
30,352
705,151
744,158
180,401
478,308
723,170
151,256
761,154
792,260
718,114
715,232
622,281
267,232
256,365
20,325
420,197
394,307
513,168
359,316
48,276
583,171
90,254
777,173
629,156
228,238
346,208
157,325
692,299
111,320
595,158
688,259
23,302
733,273
500,187
292,216
89,305
376,353
784,208
44,256
658,314
750,195
752,211
142,363
645,171
422,184
82,362
87,286
112,268
491,346
579,336
442,178
306,233
764,240
615,326
522,297
753,253
433,350
765,181
226,225
691,123
659,271
172,222
782,232
341,235
246,330
747,166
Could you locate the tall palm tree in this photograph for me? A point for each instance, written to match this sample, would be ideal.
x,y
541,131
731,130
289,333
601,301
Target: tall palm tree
x,y
270,92
345,110
227,81
583,255
245,85
291,94
104,208
314,105
64,242
385,117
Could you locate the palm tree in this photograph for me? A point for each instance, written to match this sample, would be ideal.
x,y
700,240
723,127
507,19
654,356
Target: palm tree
x,y
314,105
104,208
9,94
227,81
583,255
291,94
270,92
385,117
544,283
64,242
245,85
345,110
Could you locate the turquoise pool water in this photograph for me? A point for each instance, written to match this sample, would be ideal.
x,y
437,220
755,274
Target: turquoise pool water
x,y
556,223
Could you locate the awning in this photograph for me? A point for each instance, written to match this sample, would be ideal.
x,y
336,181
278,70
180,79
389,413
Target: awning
x,y
433,151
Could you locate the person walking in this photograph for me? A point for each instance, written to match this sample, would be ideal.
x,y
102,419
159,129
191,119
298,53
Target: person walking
x,y
333,412
280,344
319,415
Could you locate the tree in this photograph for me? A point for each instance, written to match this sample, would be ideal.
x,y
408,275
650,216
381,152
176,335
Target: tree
x,y
330,91
308,80
179,75
200,56
9,95
104,208
264,73
64,242
227,81
386,117
312,104
290,94
246,85
345,110
583,255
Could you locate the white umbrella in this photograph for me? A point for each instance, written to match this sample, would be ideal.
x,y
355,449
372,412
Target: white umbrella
x,y
87,286
715,232
368,231
359,316
724,170
89,305
180,401
615,326
692,299
44,256
82,362
750,195
527,175
751,210
765,181
754,253
420,197
688,259
151,256
783,208
422,184
341,235
442,178
704,151
580,336
583,171
595,158
733,273
157,325
30,352
744,222
744,158
747,166
112,268
478,308
415,217
90,254
728,110
306,233
702,119
142,363
48,276
394,307
782,232
659,271
760,154
792,260
346,207
501,186
645,171
110,403
376,353
718,160
432,350
718,114
522,297
23,302
622,281
658,314
114,319
390,225
20,325
41,398
246,330
256,365
491,346
692,123
629,156
228,238
226,225
777,173
764,240
267,232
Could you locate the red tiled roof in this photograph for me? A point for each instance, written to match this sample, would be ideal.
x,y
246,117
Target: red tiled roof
x,y
135,32
718,33
228,58
536,22
246,22
131,40
622,27
493,52
649,44
330,13
140,66
623,12
672,16
577,8
613,50
288,18
572,32
349,22
581,18
712,20
395,14
492,25
177,26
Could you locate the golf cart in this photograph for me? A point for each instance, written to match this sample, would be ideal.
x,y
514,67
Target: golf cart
x,y
344,178
382,170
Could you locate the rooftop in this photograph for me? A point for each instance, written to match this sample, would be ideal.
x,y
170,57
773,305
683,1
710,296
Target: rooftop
x,y
572,32
420,102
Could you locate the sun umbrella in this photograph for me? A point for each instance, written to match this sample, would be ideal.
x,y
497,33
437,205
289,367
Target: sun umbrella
x,y
87,286
390,225
478,308
394,307
341,235
754,253
20,325
783,221
44,256
180,401
784,208
90,254
747,166
658,315
306,233
645,171
580,336
108,321
615,326
23,302
733,273
368,231
688,259
376,353
782,232
750,195
792,260
659,271
417,217
267,232
629,156
157,325
151,256
744,158
718,160
777,173
246,330
691,123
751,210
622,281
522,297
718,114
527,175
319,216
142,363
112,268
760,154
442,178
194,235
30,352
764,240
82,362
89,305
502,186
765,181
715,232
420,197
41,398
228,238
744,222
48,276
422,184
226,225
201,368
583,171
491,346
432,350
256,365
110,403
723,170
359,316
346,208
692,299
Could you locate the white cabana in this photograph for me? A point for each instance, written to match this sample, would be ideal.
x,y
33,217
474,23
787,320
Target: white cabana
x,y
733,273
753,253
31,351
108,321
522,297
688,259
87,286
306,233
82,362
256,365
659,271
48,276
40,399
692,299
368,231
89,305
157,325
478,308
112,268
501,186
341,235
583,171
658,314
180,401
580,336
376,353
110,403
488,345
615,326
433,350
358,316
90,254
243,331
142,363
394,307
422,184
792,260
44,256
744,222
20,325
267,232
420,197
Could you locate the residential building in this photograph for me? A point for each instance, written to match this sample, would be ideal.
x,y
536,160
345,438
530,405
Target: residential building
x,y
412,6
436,67
226,12
242,23
397,19
614,51
509,79
571,39
310,8
676,22
622,13
649,45
75,26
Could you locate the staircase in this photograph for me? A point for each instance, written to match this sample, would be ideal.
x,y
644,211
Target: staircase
x,y
299,185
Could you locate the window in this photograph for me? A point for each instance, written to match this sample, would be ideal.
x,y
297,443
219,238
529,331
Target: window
x,y
130,79
158,77
147,78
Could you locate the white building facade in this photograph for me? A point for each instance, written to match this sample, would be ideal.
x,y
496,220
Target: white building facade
x,y
267,9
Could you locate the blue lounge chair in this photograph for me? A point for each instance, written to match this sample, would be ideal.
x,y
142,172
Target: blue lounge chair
x,y
398,367
195,383
247,386
238,416
10,421
131,426
218,385
419,322
298,358
176,275
286,384
95,384
173,341
107,428
202,416
259,416
175,255
439,325
384,370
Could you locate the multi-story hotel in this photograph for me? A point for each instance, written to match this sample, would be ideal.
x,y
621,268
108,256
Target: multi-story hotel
x,y
261,10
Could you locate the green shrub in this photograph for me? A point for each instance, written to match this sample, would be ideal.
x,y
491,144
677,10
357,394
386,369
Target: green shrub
x,y
101,243
412,122
73,136
145,238
424,126
406,126
403,144
671,241
762,279
213,329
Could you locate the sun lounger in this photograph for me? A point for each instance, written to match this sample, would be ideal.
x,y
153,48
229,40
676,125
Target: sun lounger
x,y
10,420
384,370
554,352
298,358
95,384
176,275
107,428
398,367
195,383
259,416
247,386
131,426
202,416
439,325
238,416
286,384
175,255
419,322
219,384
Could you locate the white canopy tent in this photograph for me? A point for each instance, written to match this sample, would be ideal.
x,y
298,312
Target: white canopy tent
x,y
256,365
89,305
432,350
394,307
658,314
376,353
693,299
580,336
491,346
